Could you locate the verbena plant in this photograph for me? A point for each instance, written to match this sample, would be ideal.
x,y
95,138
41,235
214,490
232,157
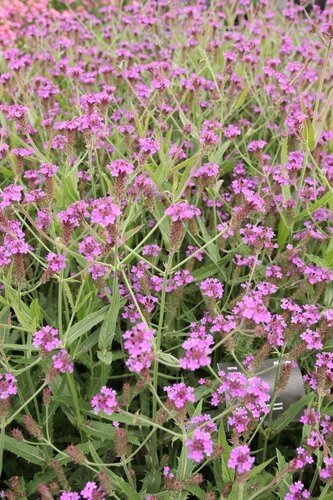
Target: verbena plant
x,y
166,205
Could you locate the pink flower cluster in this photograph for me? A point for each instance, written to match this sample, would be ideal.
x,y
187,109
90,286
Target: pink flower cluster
x,y
47,338
240,459
180,394
138,343
182,211
197,348
211,288
105,400
200,444
8,385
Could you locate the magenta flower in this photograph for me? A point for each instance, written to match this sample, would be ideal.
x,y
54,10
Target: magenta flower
x,y
47,338
312,339
120,167
200,445
56,262
197,352
211,288
138,343
240,459
148,146
207,170
105,400
91,491
62,362
104,211
182,211
7,385
90,248
69,495
180,394
256,145
327,473
231,131
297,491
151,250
302,458
252,307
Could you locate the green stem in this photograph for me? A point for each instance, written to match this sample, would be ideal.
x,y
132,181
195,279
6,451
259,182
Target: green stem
x,y
12,417
71,385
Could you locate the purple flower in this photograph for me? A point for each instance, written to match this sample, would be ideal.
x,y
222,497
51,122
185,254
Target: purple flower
x,y
148,146
301,460
91,491
7,385
104,211
138,343
232,131
327,472
182,211
207,170
312,339
62,362
180,394
105,400
151,250
69,495
90,248
240,459
200,446
252,307
197,349
297,491
47,338
211,288
120,167
256,145
56,262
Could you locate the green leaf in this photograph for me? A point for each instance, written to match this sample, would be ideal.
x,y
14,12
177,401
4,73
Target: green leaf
x,y
22,311
282,466
241,97
288,416
108,329
86,324
283,232
118,482
217,156
26,451
258,468
227,474
105,357
326,198
2,446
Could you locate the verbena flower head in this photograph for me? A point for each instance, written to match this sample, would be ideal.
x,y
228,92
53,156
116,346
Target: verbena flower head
x,y
105,400
62,362
180,395
138,343
56,263
211,288
120,167
8,385
47,338
297,491
104,212
256,145
240,459
200,446
182,211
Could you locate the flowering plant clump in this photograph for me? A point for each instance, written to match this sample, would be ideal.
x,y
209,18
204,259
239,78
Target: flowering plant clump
x,y
166,223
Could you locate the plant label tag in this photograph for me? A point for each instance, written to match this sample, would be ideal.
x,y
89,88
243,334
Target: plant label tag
x,y
270,372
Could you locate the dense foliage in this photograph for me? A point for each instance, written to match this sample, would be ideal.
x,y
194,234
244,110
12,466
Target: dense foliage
x,y
166,205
